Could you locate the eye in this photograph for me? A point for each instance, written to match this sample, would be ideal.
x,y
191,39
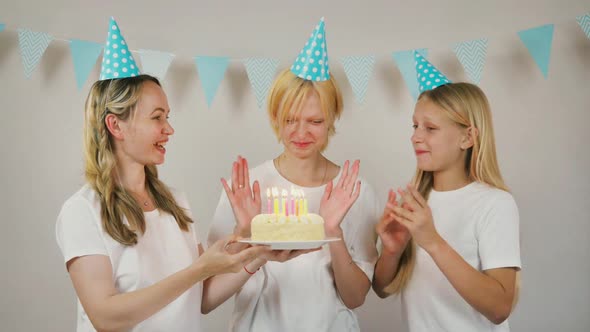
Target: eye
x,y
317,122
290,121
415,126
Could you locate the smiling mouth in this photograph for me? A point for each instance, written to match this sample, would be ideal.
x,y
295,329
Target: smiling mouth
x,y
161,146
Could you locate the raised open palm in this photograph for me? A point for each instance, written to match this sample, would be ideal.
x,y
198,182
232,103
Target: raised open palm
x,y
338,198
245,200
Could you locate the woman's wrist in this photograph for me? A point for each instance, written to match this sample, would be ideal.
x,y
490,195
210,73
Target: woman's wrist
x,y
334,231
242,232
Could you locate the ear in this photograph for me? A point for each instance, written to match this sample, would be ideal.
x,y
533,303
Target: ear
x,y
469,139
113,124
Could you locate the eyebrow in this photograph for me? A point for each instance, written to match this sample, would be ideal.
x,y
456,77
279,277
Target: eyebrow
x,y
159,109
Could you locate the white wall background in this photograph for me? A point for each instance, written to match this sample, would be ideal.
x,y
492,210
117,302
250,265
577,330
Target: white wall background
x,y
541,125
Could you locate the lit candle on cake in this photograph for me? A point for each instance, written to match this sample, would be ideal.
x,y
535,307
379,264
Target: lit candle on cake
x,y
292,202
268,203
301,195
284,194
275,195
304,203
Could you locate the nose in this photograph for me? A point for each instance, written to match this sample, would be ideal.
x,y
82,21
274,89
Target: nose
x,y
301,129
417,136
168,130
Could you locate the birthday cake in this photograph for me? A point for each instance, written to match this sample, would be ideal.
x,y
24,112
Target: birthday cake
x,y
279,227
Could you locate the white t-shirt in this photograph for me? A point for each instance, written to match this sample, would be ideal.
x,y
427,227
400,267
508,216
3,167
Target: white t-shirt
x,y
161,251
300,295
481,224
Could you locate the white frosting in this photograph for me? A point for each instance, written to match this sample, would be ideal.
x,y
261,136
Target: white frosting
x,y
310,218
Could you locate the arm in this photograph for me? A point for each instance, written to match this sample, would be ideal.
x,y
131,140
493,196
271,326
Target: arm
x,y
490,292
351,282
219,288
109,310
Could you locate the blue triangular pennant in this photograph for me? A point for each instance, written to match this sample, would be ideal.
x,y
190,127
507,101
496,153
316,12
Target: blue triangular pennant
x,y
406,63
261,72
538,42
359,69
84,53
472,55
211,71
32,46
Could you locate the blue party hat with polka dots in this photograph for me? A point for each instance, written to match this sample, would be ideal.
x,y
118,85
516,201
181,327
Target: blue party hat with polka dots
x,y
117,60
428,76
312,62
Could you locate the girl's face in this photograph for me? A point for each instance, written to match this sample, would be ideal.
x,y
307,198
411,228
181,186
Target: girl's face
x,y
146,132
439,143
306,134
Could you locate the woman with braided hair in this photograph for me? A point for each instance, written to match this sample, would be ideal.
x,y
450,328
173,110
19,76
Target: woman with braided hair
x,y
129,242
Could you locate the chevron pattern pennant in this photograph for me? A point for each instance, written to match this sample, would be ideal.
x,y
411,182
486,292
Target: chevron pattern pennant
x,y
584,22
407,66
472,55
261,72
32,46
538,41
155,63
84,54
359,69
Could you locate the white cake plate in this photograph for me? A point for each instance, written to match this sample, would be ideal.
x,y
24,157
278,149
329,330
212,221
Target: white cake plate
x,y
291,245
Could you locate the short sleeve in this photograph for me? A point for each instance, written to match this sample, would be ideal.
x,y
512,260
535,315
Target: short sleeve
x,y
77,230
362,242
498,234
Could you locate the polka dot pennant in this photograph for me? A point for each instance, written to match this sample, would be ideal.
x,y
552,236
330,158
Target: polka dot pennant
x,y
312,62
117,60
428,76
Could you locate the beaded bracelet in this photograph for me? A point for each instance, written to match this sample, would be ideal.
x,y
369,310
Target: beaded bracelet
x,y
250,273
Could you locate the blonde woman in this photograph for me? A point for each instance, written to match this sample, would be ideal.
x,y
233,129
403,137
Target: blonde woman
x,y
316,291
129,242
452,247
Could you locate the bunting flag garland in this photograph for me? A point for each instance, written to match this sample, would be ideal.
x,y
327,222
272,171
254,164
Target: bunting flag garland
x,y
311,63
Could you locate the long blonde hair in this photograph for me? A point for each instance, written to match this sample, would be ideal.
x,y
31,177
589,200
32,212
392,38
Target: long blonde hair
x,y
468,106
120,97
289,92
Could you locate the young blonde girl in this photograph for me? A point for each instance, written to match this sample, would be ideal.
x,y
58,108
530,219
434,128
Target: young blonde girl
x,y
452,247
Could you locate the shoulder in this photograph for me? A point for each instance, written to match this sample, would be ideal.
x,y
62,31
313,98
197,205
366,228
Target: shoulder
x,y
84,199
492,202
492,195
